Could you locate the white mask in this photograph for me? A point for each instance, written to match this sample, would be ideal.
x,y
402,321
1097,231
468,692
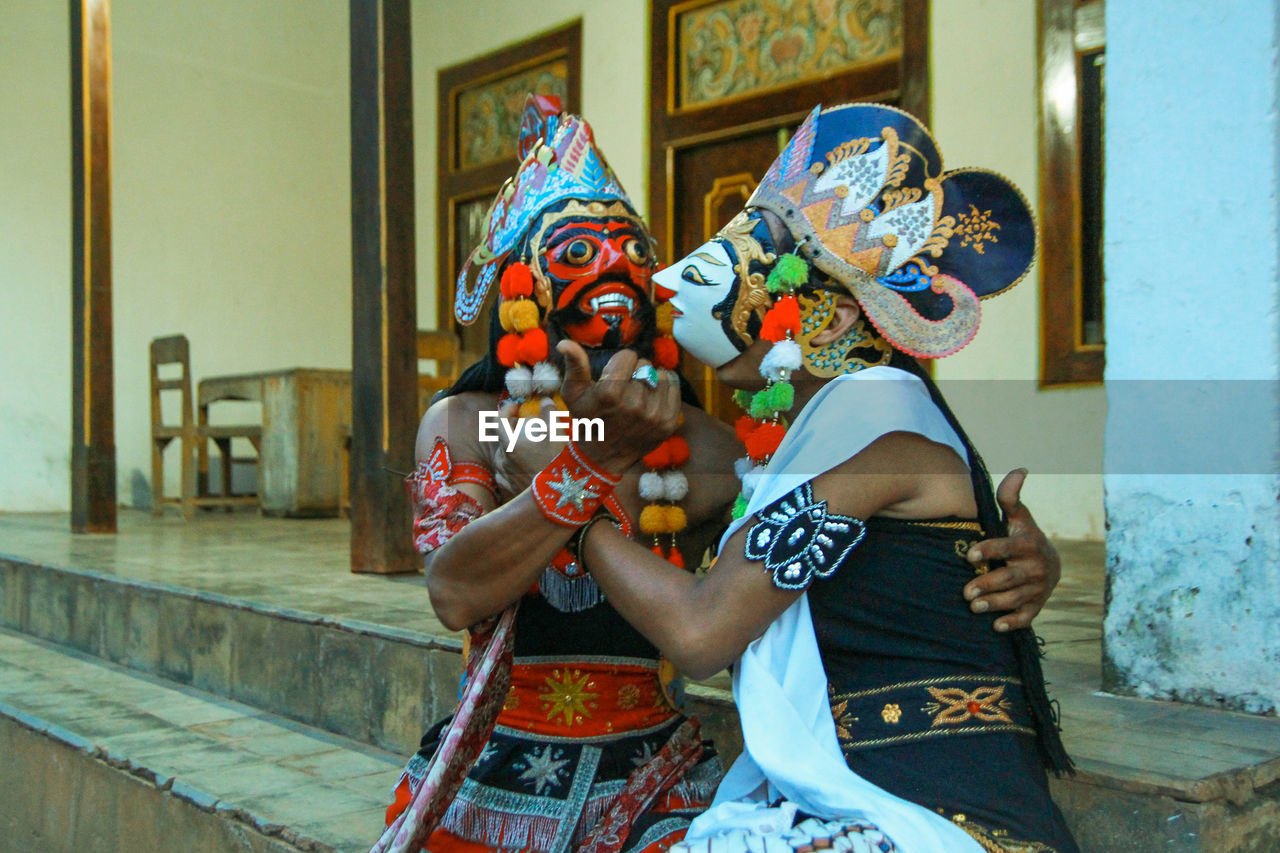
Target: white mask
x,y
702,280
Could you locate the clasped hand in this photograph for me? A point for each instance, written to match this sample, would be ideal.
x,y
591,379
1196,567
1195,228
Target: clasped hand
x,y
635,416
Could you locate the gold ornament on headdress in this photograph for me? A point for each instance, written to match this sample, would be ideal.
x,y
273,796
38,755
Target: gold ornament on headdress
x,y
843,355
753,294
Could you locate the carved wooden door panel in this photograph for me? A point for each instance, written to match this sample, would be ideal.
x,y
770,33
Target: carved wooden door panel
x,y
712,181
731,79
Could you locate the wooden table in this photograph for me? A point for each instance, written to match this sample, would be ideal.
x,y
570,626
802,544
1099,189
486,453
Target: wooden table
x,y
305,415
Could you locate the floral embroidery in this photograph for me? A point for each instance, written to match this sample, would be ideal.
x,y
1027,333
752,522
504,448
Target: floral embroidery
x,y
628,696
567,695
892,712
797,539
976,227
956,705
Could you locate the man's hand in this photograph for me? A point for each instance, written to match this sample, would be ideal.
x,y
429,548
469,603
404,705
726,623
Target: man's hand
x,y
1032,568
636,417
514,468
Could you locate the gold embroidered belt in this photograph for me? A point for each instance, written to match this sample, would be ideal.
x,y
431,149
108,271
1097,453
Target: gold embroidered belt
x,y
912,711
584,699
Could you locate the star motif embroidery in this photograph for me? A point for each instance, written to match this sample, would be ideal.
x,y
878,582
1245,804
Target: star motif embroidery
x,y
573,490
567,695
543,770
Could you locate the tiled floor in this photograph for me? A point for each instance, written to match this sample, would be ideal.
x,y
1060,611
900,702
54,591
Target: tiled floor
x,y
303,564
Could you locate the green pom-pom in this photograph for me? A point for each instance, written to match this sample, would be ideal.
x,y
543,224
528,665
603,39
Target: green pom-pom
x,y
784,395
742,398
791,271
762,406
739,507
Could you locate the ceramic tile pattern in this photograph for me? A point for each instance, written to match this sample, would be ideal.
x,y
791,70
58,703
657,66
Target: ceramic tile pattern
x,y
303,565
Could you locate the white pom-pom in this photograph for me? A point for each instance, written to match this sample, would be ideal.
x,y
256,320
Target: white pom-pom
x,y
751,480
651,486
742,465
782,358
675,485
546,379
520,382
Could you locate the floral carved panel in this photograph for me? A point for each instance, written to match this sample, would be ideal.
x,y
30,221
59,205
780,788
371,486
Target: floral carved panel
x,y
732,49
488,117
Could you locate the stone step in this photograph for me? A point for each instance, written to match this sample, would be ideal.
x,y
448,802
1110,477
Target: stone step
x,y
98,757
378,684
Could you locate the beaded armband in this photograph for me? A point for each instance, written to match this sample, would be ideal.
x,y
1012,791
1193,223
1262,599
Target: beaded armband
x,y
798,539
570,489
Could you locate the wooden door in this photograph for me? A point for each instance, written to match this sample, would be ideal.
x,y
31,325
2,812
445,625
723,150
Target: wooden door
x,y
731,79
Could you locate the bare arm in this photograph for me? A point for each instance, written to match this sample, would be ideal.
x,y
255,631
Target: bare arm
x,y
704,623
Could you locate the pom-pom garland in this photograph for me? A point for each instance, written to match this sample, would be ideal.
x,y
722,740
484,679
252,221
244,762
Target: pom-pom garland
x,y
662,485
546,379
516,281
762,429
781,359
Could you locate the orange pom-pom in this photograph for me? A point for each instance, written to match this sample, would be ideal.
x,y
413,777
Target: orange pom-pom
x,y
659,457
508,350
783,317
675,558
653,519
517,281
765,440
504,316
531,408
665,318
657,549
532,347
666,353
679,450
676,520
744,426
524,315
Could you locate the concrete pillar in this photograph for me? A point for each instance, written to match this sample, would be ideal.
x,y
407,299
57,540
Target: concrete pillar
x,y
1193,352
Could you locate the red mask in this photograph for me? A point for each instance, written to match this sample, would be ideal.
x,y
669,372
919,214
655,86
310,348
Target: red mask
x,y
599,270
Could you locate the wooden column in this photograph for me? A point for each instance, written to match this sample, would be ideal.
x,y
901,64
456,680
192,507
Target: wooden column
x,y
93,442
384,318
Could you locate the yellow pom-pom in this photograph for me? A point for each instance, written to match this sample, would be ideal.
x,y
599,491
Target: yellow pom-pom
x,y
504,316
666,318
524,315
653,519
531,408
676,520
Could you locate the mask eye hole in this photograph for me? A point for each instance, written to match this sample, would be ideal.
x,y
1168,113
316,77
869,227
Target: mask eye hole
x,y
692,275
637,251
578,252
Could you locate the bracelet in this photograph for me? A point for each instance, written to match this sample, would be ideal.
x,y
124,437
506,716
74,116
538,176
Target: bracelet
x,y
570,489
579,538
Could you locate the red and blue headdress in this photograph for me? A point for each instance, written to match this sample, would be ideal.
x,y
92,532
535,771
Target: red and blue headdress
x,y
559,162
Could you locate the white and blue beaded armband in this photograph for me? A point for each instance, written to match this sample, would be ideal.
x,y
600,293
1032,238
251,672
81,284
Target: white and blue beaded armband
x,y
798,539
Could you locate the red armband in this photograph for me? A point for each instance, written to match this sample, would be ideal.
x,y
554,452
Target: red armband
x,y
571,488
439,509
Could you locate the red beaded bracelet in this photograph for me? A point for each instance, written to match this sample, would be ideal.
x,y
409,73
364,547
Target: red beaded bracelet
x,y
570,489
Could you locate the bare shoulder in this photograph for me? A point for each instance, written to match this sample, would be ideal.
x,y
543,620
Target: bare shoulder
x,y
903,475
456,419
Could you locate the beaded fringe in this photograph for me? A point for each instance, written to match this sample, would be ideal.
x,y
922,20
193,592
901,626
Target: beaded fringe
x,y
569,594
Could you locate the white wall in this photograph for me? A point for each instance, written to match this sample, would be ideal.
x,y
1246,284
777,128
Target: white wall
x,y
1193,265
231,211
35,257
